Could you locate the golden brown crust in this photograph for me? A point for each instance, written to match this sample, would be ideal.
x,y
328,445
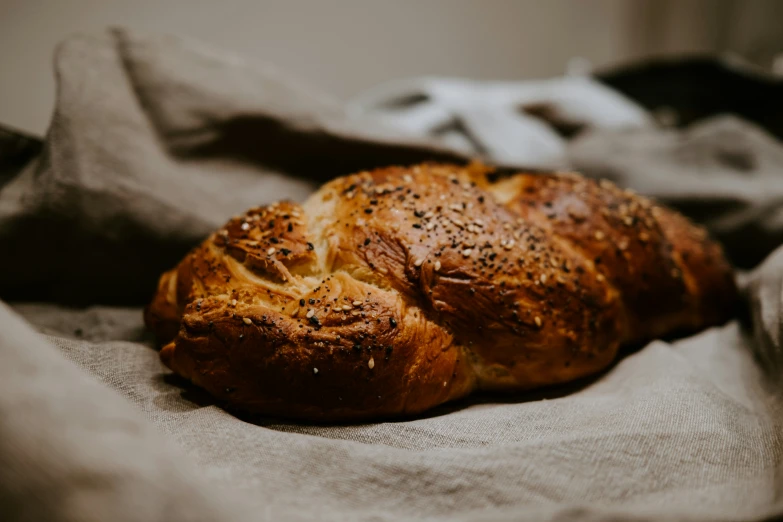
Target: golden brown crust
x,y
631,242
392,291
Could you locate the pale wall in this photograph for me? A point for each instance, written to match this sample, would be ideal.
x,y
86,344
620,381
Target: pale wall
x,y
344,46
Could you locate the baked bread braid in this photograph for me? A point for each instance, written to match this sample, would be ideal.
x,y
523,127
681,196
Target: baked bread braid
x,y
392,291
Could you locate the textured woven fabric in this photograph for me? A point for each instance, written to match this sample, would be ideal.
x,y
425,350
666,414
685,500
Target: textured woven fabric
x,y
155,141
71,449
684,430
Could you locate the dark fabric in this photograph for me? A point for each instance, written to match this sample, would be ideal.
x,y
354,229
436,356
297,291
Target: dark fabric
x,y
155,141
686,90
16,150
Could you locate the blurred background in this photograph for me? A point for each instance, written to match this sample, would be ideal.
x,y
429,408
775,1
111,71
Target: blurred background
x,y
346,46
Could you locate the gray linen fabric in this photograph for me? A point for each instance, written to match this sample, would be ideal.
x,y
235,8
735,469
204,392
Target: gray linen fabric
x,y
686,430
154,142
73,450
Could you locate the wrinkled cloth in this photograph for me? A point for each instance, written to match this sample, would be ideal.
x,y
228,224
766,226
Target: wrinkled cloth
x,y
688,430
73,449
155,141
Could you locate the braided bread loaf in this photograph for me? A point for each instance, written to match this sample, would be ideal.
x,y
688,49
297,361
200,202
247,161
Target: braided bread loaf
x,y
392,291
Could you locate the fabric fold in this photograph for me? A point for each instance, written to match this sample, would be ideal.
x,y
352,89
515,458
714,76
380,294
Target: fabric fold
x,y
72,449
